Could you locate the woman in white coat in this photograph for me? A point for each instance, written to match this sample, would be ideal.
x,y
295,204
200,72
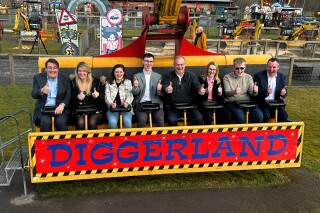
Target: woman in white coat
x,y
118,93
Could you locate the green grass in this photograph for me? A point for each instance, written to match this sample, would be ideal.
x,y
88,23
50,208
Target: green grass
x,y
301,106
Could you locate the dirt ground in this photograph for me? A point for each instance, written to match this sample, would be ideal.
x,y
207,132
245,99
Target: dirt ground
x,y
302,194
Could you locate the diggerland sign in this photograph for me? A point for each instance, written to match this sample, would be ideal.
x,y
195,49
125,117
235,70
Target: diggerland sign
x,y
81,155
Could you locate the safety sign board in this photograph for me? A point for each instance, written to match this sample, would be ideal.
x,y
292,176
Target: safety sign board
x,y
66,18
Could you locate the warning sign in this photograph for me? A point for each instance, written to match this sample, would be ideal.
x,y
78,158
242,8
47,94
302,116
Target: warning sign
x,y
66,18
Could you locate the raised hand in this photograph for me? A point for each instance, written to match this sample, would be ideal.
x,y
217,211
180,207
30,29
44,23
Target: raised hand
x,y
81,96
135,82
159,86
114,104
255,87
269,90
220,90
95,94
283,91
45,89
125,104
169,88
237,90
202,90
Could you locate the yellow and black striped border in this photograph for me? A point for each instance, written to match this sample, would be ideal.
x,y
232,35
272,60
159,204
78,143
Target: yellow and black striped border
x,y
166,169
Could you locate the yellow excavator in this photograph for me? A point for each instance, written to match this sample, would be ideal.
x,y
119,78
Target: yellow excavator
x,y
253,28
292,36
20,14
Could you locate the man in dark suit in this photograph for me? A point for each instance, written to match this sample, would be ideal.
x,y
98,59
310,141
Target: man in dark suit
x,y
181,86
147,88
272,86
51,89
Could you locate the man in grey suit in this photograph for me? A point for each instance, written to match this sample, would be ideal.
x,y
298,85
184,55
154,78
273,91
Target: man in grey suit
x,y
51,89
147,88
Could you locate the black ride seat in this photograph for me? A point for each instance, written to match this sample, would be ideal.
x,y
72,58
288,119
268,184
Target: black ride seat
x,y
247,105
184,107
276,103
149,107
212,105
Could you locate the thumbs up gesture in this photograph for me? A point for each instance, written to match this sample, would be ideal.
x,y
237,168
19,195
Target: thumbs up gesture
x,y
202,90
220,90
283,91
125,104
269,90
95,94
169,88
45,89
159,86
135,82
81,96
237,90
114,104
255,87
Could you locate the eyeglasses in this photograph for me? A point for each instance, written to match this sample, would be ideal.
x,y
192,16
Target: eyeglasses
x,y
239,68
52,68
148,61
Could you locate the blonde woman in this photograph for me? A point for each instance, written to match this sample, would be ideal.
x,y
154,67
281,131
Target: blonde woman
x,y
87,90
214,92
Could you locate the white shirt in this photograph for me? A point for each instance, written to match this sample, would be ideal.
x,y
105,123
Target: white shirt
x,y
272,82
180,77
146,95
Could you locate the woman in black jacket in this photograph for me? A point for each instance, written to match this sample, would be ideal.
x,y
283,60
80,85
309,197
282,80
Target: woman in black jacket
x,y
214,93
87,91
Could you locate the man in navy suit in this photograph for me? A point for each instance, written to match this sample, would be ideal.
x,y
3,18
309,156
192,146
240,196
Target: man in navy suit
x,y
51,88
272,86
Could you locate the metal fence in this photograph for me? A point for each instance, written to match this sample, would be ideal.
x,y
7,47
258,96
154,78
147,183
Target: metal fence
x,y
18,69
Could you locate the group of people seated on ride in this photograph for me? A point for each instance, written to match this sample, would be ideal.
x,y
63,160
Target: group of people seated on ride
x,y
178,92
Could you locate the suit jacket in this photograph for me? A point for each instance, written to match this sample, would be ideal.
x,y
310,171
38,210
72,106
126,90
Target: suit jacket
x,y
63,92
155,95
185,91
262,82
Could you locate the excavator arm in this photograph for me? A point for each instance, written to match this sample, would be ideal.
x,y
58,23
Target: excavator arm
x,y
17,20
301,29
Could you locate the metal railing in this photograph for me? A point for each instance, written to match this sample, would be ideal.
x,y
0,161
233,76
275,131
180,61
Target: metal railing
x,y
19,158
86,39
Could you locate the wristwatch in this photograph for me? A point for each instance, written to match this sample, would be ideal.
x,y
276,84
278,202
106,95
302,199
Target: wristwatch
x,y
63,104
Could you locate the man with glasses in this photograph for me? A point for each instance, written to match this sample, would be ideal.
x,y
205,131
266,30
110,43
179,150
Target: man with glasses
x,y
239,86
147,89
272,86
51,89
181,86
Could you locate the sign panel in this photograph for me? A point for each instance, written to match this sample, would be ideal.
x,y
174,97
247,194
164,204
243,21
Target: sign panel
x,y
111,32
114,153
66,18
68,31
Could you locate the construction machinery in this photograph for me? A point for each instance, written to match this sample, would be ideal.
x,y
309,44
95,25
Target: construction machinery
x,y
249,28
310,30
20,14
3,9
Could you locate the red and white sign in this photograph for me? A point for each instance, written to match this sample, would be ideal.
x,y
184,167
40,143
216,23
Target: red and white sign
x,y
66,18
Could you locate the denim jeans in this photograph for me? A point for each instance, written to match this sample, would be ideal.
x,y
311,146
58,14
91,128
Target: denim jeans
x,y
239,114
113,118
